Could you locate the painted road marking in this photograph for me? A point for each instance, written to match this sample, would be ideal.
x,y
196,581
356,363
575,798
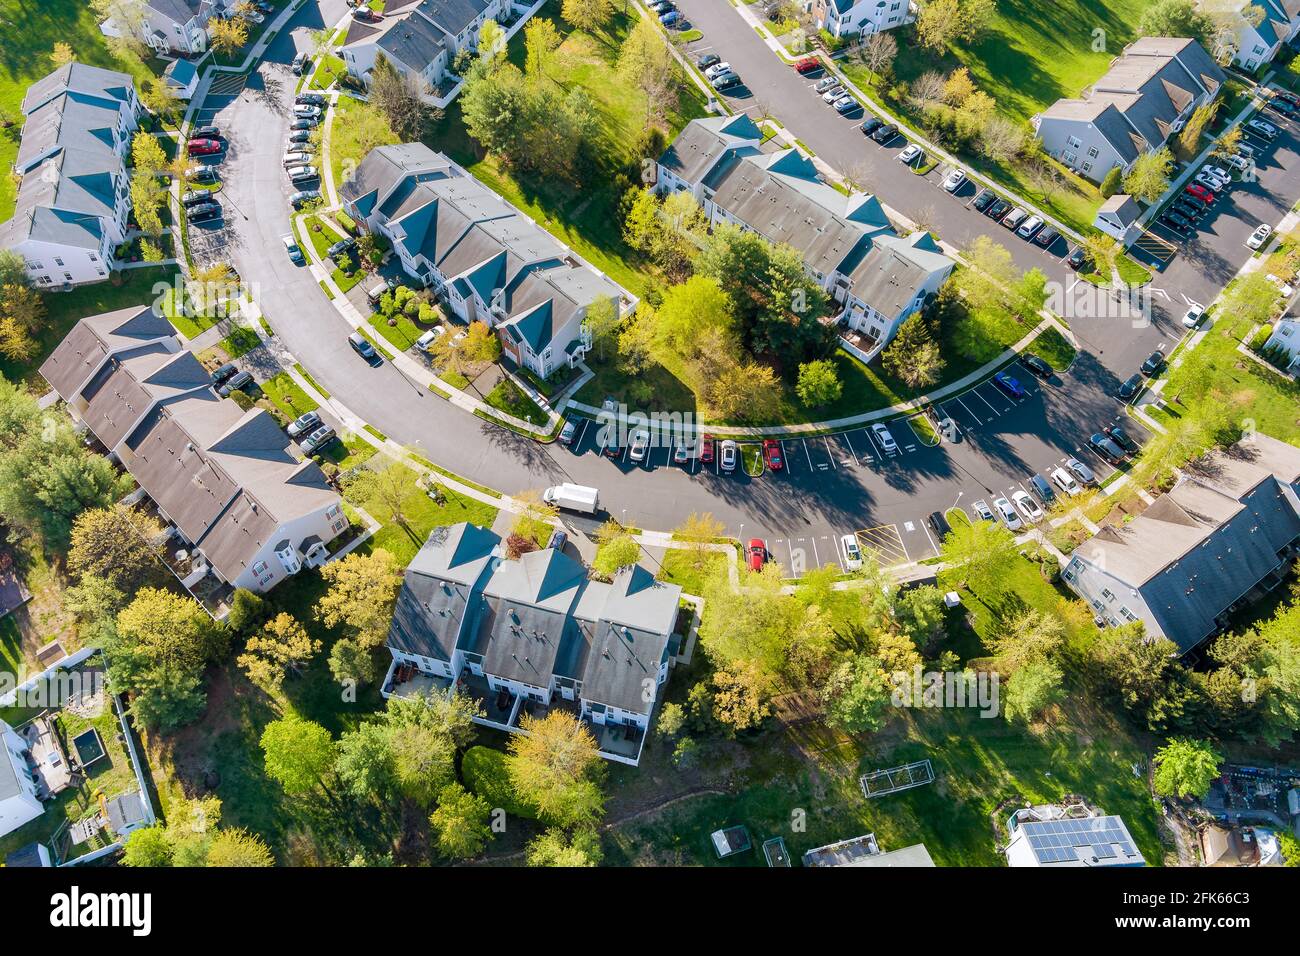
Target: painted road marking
x,y
885,541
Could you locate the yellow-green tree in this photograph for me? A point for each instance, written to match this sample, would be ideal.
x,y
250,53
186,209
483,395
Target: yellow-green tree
x,y
555,766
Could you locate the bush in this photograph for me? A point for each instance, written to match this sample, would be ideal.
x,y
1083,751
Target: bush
x,y
1110,185
1260,338
484,770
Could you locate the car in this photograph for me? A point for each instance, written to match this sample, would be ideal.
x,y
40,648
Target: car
x,y
1285,108
1041,488
557,540
1244,150
202,174
612,449
1036,365
997,210
939,524
1177,223
716,69
300,63
426,340
772,454
1066,482
302,174
681,453
726,82
224,372
708,60
263,7
983,511
1130,387
1008,514
195,196
1046,237
303,122
1262,128
311,99
833,94
306,111
728,454
343,245
1210,181
1154,363
291,247
1238,162
639,444
1217,171
1029,227
825,83
809,64
236,383
296,158
1120,437
1106,448
1193,316
846,104
852,553
1014,218
568,432
361,345
205,132
1010,386
1187,208
886,440
1081,471
669,18
755,554
1192,201
253,16
303,196
1286,95
885,134
706,449
659,6
870,126
1027,505
203,212
1200,192
367,15
1282,286
203,147
984,200
1259,236
317,440
954,180
298,137
1077,259
303,424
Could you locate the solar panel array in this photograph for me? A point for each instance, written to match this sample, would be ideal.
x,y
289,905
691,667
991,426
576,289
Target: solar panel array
x,y
1055,841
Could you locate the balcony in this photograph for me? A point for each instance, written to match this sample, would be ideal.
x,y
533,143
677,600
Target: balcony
x,y
618,742
500,707
407,680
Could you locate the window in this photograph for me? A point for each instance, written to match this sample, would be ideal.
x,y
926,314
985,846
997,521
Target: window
x,y
1107,594
1087,167
58,261
1092,152
1127,614
67,276
1074,142
1070,157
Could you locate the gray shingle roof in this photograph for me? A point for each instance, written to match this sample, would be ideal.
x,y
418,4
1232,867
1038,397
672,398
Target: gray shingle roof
x,y
81,78
410,41
452,15
700,145
91,340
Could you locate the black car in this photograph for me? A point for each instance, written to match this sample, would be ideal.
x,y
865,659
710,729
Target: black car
x,y
203,212
309,99
708,60
885,133
727,84
871,125
940,524
1077,259
1106,448
205,132
999,209
1195,202
1187,210
1036,365
302,123
340,247
223,373
300,136
1046,237
984,200
1154,363
1179,222
1130,388
1120,437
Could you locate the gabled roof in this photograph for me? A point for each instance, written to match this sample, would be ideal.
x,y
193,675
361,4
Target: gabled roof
x,y
94,338
895,270
180,73
411,41
80,78
703,142
452,15
71,121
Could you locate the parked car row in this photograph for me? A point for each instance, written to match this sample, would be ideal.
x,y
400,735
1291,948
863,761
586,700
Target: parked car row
x,y
308,108
668,14
718,72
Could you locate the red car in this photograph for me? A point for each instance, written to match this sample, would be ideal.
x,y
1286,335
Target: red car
x,y
772,454
1200,192
706,450
756,554
204,147
809,64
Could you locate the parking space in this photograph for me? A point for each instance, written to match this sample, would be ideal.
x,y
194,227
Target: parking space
x,y
885,543
917,540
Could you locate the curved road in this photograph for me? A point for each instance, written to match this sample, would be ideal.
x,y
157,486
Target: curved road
x,y
832,486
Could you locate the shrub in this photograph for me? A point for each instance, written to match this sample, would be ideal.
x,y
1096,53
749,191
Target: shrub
x,y
1260,338
484,770
1110,185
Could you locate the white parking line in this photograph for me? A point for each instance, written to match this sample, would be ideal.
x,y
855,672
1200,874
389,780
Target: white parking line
x,y
785,457
925,526
828,452
816,556
852,450
986,402
807,453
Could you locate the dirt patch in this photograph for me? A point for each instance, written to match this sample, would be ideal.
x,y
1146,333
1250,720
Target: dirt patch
x,y
185,753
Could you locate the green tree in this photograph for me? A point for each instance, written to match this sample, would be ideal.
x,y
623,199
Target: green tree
x,y
147,153
819,383
282,647
913,356
1177,18
1144,673
350,663
560,849
1186,768
590,16
541,45
116,544
1148,178
298,753
618,552
1032,689
362,591
555,766
1032,636
980,555
226,37
857,695
461,822
1112,182
147,847
239,848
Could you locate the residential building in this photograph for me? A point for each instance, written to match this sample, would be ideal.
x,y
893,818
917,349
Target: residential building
x,y
1226,532
1262,27
1286,339
171,27
1055,836
858,18
74,197
876,278
19,800
864,851
481,257
420,38
245,507
534,633
1119,217
1144,99
182,78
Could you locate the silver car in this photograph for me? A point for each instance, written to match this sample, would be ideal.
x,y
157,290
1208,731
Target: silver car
x,y
727,454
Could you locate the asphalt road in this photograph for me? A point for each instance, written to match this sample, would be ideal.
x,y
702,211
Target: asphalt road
x,y
830,486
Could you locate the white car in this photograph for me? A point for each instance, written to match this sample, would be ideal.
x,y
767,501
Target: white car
x,y
425,341
1259,236
1217,171
727,454
910,153
833,94
296,158
717,69
1027,505
1193,316
1065,481
1008,514
954,180
1267,130
1282,287
852,553
983,511
1212,183
1081,471
825,83
885,439
1238,162
300,174
640,442
306,111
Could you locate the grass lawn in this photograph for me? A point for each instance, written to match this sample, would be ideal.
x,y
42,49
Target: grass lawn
x,y
239,342
349,452
678,567
509,398
331,67
321,236
1051,346
404,333
345,280
63,309
345,149
287,396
